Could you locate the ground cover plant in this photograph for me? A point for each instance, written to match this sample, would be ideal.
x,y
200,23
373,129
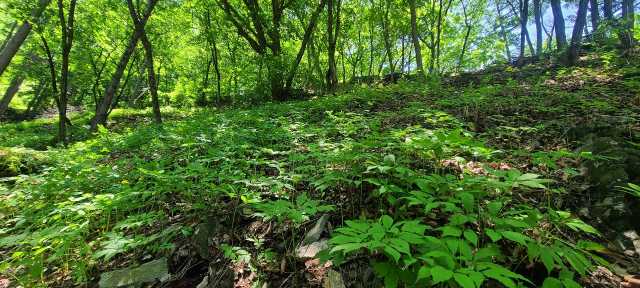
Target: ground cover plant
x,y
423,189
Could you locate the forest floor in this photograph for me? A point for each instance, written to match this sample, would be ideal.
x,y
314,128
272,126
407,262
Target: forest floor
x,y
477,167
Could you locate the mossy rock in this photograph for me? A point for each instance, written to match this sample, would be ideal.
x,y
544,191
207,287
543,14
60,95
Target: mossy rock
x,y
16,161
591,131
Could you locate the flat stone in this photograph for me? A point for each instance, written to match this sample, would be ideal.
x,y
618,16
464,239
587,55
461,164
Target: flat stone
x,y
204,282
132,277
628,243
333,279
201,235
314,234
308,252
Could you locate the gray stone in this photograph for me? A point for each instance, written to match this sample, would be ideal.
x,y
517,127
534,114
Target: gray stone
x,y
333,279
204,282
308,252
615,212
201,235
628,242
314,234
131,277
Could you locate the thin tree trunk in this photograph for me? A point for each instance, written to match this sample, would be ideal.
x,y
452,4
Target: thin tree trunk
x,y
466,35
608,10
139,24
574,50
67,42
303,46
6,40
52,70
558,22
13,45
595,17
102,113
36,98
13,88
332,72
414,36
537,9
503,32
216,67
136,89
387,39
524,11
628,16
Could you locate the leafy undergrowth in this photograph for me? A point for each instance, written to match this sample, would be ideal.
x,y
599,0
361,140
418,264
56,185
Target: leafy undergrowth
x,y
428,184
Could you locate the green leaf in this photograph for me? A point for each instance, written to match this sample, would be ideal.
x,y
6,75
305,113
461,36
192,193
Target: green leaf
x,y
464,280
486,252
440,274
301,199
387,221
35,270
532,250
492,273
467,202
493,235
586,245
451,231
401,245
391,280
547,259
571,171
393,253
423,273
382,269
551,282
494,207
516,237
471,236
528,176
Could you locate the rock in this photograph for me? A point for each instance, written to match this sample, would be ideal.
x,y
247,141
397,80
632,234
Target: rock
x,y
308,252
614,211
204,282
314,234
201,235
333,279
628,242
132,277
591,131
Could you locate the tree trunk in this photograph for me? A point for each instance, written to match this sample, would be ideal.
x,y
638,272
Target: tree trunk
x,y
52,70
608,11
103,108
67,42
36,98
573,54
6,40
13,88
331,76
387,38
414,36
466,35
305,42
524,11
136,88
626,30
153,87
595,17
503,32
13,45
537,9
558,22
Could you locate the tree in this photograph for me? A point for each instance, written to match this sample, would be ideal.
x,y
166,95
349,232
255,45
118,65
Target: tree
x,y
626,26
537,11
414,36
573,53
13,45
151,76
332,78
105,102
524,15
67,42
558,22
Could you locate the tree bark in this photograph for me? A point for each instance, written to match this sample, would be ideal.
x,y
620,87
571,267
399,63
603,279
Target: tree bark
x,y
558,22
67,42
134,96
14,44
303,47
6,40
387,38
103,108
595,17
537,9
414,36
36,98
13,88
503,32
573,53
626,29
524,15
332,72
608,10
153,87
52,69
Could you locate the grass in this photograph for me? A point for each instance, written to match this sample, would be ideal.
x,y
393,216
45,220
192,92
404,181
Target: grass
x,y
419,161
